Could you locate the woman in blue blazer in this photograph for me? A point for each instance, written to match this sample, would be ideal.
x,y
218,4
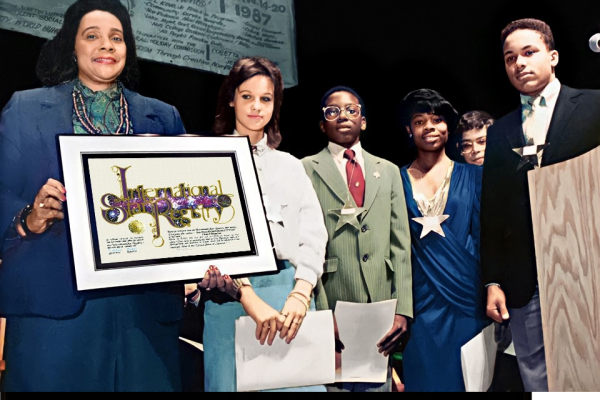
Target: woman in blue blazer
x,y
59,339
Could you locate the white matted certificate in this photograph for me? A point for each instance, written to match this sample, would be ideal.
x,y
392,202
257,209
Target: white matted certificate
x,y
147,209
308,360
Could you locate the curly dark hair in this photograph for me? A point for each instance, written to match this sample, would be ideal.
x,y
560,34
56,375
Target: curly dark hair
x,y
56,63
470,120
531,24
242,70
426,101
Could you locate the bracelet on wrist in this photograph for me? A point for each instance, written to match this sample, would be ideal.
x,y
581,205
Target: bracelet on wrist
x,y
299,299
303,295
21,219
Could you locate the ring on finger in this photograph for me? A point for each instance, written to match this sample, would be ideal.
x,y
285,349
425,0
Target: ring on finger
x,y
41,205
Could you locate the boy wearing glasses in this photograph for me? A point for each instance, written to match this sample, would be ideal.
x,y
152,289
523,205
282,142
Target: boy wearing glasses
x,y
362,198
472,135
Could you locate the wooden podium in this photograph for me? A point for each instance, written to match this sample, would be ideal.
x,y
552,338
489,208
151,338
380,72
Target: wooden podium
x,y
565,207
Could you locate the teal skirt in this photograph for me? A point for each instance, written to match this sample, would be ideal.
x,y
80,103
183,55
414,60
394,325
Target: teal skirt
x,y
219,331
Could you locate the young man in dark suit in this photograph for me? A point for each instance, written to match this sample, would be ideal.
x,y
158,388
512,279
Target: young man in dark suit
x,y
554,123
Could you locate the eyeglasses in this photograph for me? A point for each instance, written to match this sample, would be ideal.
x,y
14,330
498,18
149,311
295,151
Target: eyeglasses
x,y
467,147
332,113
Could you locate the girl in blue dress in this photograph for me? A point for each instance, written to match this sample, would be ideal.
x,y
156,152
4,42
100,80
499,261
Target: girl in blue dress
x,y
442,198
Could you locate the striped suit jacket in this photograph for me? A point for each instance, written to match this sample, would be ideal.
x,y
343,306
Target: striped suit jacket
x,y
372,263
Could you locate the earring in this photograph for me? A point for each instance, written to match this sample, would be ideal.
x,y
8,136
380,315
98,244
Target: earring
x,y
74,58
410,135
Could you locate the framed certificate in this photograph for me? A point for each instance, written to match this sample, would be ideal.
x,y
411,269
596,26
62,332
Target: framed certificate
x,y
147,209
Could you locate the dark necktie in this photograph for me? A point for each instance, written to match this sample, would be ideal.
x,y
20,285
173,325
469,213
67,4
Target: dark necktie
x,y
356,179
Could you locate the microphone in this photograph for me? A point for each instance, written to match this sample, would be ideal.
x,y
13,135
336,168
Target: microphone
x,y
595,43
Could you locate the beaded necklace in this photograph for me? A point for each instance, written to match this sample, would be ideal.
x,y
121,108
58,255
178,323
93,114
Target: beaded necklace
x,y
84,119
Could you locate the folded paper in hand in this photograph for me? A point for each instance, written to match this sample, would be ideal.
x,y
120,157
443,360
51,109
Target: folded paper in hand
x,y
478,357
308,360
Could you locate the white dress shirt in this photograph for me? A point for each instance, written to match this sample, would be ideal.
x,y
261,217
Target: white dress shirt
x,y
544,112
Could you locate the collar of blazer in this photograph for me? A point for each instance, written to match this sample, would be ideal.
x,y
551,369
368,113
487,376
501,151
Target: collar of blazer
x,y
558,134
328,171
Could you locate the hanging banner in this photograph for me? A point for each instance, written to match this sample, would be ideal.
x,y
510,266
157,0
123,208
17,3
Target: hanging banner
x,y
203,34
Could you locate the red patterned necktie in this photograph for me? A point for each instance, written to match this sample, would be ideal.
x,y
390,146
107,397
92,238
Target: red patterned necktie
x,y
356,179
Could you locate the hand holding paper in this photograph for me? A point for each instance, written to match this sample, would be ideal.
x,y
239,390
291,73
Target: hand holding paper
x,y
294,310
361,327
392,338
268,320
307,360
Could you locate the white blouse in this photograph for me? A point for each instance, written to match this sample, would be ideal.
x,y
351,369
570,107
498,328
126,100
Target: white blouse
x,y
293,211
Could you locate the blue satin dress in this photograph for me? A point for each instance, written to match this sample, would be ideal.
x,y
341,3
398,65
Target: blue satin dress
x,y
449,307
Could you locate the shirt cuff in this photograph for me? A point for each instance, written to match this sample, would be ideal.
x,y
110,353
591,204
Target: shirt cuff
x,y
194,297
492,283
242,282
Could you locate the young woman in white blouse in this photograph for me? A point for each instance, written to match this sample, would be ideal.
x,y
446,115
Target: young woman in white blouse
x,y
249,104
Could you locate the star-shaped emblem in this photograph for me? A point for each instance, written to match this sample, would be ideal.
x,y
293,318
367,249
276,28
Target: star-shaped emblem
x,y
273,210
348,215
530,155
432,224
376,174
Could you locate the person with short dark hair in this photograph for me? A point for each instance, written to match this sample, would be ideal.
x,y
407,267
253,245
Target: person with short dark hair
x,y
470,139
442,199
554,123
59,339
368,258
471,135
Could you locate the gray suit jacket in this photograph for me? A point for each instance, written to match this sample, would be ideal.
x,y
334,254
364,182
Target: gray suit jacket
x,y
372,263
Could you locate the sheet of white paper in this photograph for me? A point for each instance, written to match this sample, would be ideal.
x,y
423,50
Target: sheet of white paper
x,y
361,326
510,350
478,357
308,360
197,345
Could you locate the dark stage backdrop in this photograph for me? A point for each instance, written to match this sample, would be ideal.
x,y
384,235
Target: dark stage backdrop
x,y
383,49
